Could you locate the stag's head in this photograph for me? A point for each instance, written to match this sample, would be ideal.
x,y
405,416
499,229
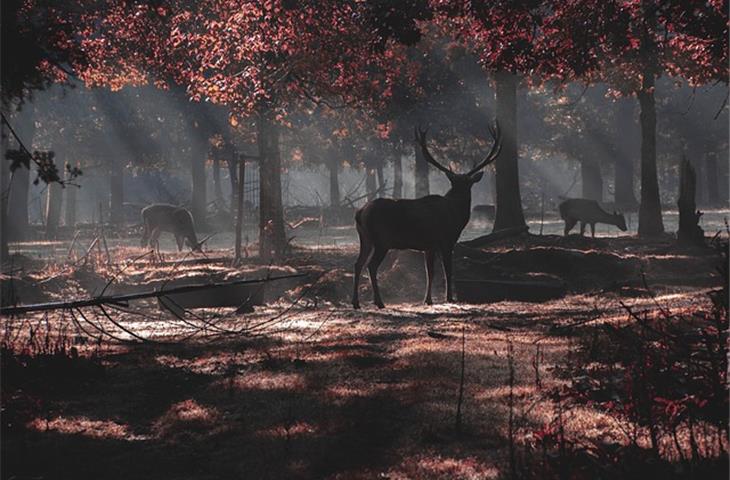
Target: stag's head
x,y
462,182
620,221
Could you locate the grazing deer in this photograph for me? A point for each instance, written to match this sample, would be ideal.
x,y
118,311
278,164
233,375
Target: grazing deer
x,y
158,218
589,212
429,224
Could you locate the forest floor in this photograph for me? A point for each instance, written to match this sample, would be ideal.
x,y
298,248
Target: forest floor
x,y
306,387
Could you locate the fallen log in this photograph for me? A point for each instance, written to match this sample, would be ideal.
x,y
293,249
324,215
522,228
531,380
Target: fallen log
x,y
124,299
494,236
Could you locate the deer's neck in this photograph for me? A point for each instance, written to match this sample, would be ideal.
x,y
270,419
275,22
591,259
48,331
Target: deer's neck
x,y
461,202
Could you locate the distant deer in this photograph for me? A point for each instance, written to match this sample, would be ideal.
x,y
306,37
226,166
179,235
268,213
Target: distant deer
x,y
585,211
429,224
158,218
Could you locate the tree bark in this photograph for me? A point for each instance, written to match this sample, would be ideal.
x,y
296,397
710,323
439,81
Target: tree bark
x,y
18,202
70,211
592,179
381,178
421,173
689,217
397,176
116,195
239,206
231,161
650,209
54,201
333,165
509,202
272,237
623,167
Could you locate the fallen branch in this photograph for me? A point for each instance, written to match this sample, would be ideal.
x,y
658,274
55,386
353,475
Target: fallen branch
x,y
494,236
123,299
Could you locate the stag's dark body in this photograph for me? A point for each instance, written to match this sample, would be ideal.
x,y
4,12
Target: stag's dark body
x,y
431,224
160,218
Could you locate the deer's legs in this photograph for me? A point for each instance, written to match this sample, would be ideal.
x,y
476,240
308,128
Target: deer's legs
x,y
428,256
446,259
362,258
145,236
179,241
593,230
582,228
569,224
373,264
155,242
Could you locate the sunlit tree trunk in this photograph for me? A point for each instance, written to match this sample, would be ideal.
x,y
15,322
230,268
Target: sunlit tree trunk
x,y
272,237
70,210
333,165
650,209
421,173
592,180
54,196
509,203
116,191
397,176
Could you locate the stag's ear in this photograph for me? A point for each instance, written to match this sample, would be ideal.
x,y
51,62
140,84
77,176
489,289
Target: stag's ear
x,y
476,177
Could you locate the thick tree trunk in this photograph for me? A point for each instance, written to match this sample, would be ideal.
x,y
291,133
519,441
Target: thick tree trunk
x,y
198,201
623,167
592,179
509,202
54,200
689,217
116,191
370,186
650,210
421,173
712,174
397,176
272,237
18,203
333,165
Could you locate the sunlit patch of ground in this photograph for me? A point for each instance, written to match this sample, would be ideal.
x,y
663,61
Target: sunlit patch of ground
x,y
101,429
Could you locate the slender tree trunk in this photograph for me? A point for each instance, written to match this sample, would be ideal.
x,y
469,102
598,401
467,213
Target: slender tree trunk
x,y
370,186
18,202
271,217
116,196
239,206
712,174
70,211
381,178
421,173
333,165
509,202
397,176
198,202
650,210
54,198
592,179
231,161
218,190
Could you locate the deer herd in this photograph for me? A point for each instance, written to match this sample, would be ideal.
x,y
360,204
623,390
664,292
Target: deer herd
x,y
430,224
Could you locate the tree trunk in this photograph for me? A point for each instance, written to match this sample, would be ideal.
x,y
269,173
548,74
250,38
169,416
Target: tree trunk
x,y
712,174
509,202
421,173
623,167
650,210
689,217
18,203
370,182
218,190
333,165
4,177
70,211
116,197
397,176
239,206
592,179
198,201
231,161
271,217
54,198
381,179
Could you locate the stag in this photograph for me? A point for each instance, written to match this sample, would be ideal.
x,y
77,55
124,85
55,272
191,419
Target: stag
x,y
430,224
158,218
588,212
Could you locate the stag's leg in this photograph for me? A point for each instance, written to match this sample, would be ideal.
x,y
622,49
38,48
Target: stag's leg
x,y
428,256
155,242
180,241
593,230
446,259
582,228
569,224
373,264
365,251
145,236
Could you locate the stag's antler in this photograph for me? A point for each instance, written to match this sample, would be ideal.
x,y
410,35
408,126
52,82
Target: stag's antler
x,y
421,140
494,152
